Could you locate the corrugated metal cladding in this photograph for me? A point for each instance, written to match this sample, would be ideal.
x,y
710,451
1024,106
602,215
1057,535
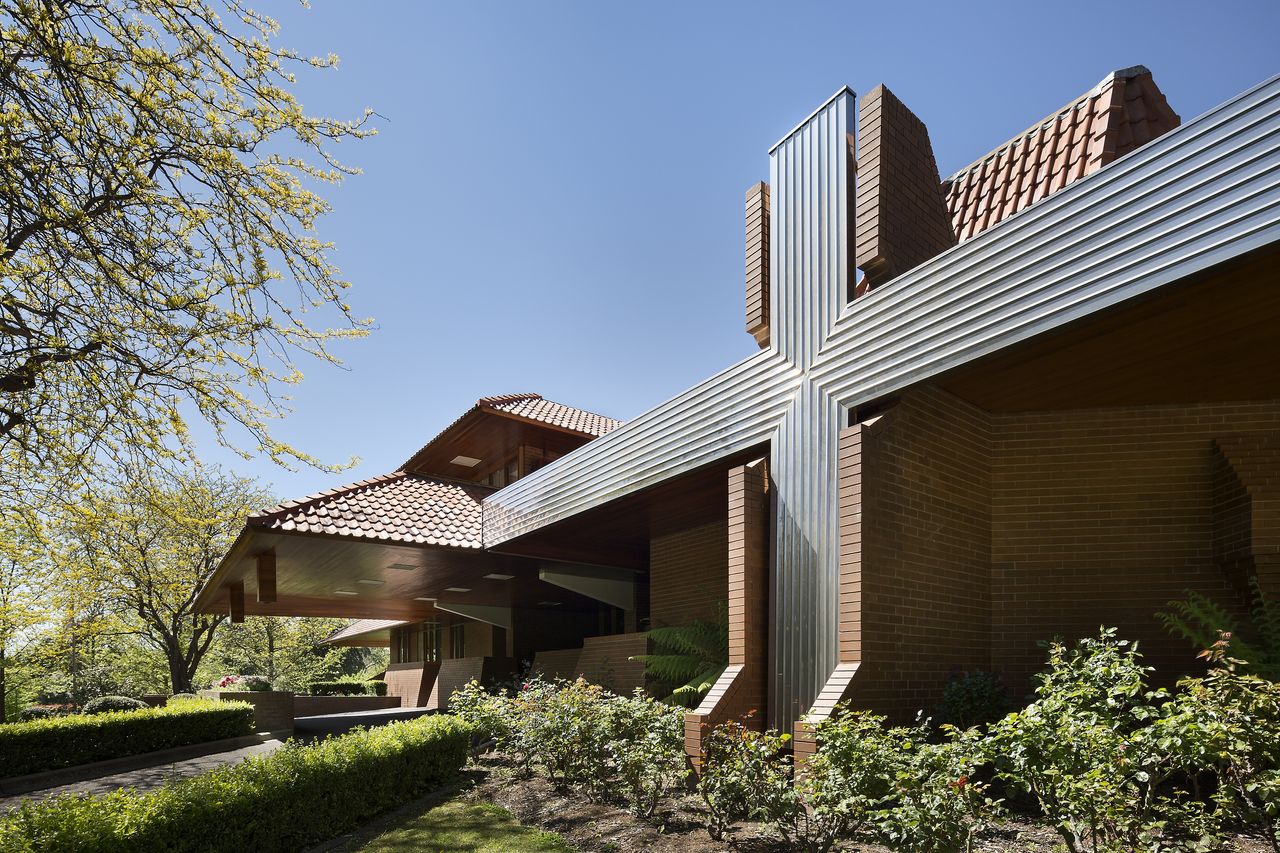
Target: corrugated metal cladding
x,y
731,411
810,273
810,221
1199,195
804,583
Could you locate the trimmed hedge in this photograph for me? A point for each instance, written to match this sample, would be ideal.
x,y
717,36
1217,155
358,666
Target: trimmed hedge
x,y
288,800
347,688
103,704
48,744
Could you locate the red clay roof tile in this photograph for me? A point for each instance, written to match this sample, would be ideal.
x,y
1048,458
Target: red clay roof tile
x,y
1124,111
399,507
535,408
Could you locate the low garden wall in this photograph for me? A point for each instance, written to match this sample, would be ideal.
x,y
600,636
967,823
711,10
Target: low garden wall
x,y
57,742
314,706
288,800
272,709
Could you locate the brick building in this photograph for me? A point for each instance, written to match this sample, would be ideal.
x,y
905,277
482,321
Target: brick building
x,y
1038,396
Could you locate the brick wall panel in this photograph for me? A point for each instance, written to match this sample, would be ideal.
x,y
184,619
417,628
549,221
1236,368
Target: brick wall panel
x,y
1104,516
688,573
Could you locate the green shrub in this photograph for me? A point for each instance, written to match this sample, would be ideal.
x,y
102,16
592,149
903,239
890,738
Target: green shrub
x,y
973,699
1077,747
285,801
43,711
339,688
580,734
491,719
113,703
937,804
379,688
35,712
1225,725
745,775
849,777
66,741
646,749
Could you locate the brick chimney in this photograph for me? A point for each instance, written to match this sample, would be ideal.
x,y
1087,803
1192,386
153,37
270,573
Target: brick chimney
x,y
901,213
758,263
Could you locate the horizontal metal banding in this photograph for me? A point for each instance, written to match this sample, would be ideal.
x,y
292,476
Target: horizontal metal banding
x,y
1198,196
731,411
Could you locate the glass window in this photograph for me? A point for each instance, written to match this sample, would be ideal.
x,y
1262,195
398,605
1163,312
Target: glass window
x,y
431,642
458,640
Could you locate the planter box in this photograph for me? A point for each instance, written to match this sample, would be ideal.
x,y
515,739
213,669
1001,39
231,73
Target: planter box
x,y
314,706
272,709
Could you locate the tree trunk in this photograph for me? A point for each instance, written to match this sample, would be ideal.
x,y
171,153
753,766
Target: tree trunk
x,y
179,680
4,696
271,654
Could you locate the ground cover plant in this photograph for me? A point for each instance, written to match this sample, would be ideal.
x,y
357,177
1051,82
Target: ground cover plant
x,y
463,825
71,739
294,797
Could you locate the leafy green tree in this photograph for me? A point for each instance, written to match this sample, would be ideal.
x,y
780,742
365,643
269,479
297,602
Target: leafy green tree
x,y
287,651
158,251
689,657
24,575
147,546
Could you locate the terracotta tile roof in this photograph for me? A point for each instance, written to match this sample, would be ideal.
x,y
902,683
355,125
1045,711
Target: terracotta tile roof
x,y
533,407
363,626
399,507
1125,110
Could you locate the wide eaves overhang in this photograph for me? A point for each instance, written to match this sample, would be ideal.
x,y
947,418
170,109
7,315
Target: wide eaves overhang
x,y
1199,196
394,547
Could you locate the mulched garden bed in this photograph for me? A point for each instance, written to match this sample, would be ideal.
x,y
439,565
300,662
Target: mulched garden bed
x,y
606,828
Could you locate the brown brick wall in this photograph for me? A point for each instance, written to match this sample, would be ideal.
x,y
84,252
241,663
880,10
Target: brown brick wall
x,y
606,661
967,538
926,542
412,682
901,211
1101,517
742,689
688,573
1247,507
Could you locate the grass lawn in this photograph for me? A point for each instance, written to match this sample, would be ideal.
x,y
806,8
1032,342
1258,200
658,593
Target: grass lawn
x,y
466,826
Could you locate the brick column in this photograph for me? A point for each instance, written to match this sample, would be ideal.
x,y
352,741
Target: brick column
x,y
850,475
743,687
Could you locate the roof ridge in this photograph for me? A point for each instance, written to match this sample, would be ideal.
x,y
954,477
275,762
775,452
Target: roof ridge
x,y
498,399
311,500
1119,74
579,409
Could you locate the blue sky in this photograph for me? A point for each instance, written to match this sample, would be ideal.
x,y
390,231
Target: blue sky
x,y
554,201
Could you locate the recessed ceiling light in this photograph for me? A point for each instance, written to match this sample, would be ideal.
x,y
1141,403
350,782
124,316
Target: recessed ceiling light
x,y
466,461
497,577
548,604
345,592
404,567
423,598
457,589
370,582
